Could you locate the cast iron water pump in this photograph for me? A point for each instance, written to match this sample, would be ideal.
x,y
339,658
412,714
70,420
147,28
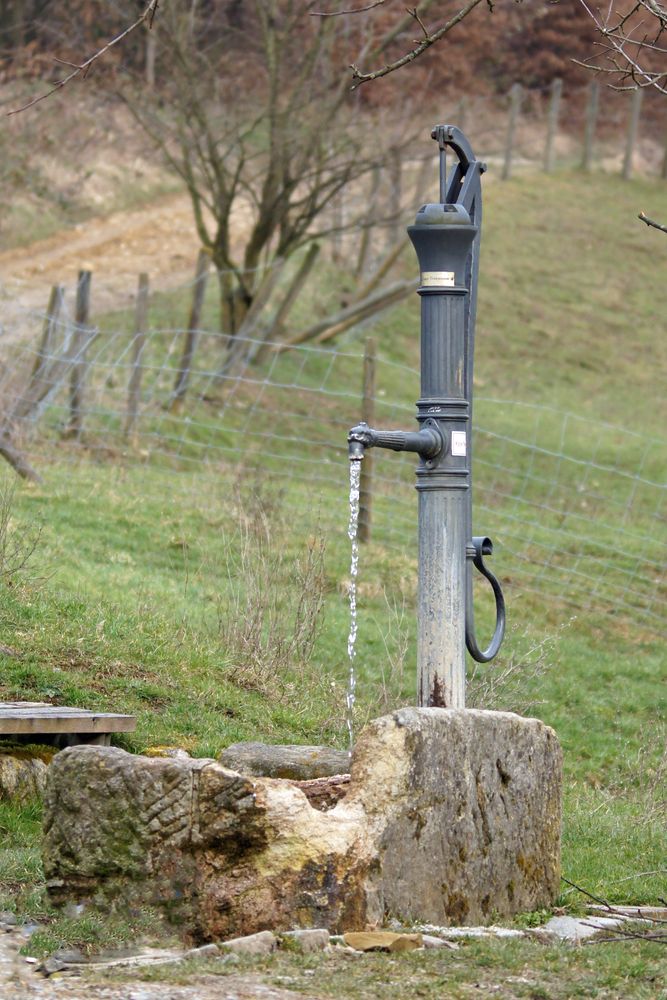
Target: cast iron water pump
x,y
446,237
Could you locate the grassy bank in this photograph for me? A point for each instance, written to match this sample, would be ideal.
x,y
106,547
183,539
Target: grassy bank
x,y
147,565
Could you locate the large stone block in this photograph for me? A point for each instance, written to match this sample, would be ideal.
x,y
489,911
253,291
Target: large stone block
x,y
452,816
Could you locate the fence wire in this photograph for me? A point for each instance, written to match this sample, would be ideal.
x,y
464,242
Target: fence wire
x,y
576,507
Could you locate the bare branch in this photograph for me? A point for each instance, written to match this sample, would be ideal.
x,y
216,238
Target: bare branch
x,y
360,77
82,70
650,222
629,47
338,13
413,12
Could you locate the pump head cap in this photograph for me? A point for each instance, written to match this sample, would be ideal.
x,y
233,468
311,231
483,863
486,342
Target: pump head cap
x,y
442,215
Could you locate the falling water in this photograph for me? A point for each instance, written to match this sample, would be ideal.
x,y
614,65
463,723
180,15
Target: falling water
x,y
355,478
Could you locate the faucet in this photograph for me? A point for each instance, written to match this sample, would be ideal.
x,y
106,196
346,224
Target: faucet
x,y
428,442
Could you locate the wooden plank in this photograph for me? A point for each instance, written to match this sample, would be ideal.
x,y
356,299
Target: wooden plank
x,y
58,711
24,717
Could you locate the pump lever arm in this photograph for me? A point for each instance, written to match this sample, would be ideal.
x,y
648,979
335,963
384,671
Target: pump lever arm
x,y
450,135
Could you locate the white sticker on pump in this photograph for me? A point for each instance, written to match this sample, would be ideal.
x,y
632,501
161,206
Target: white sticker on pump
x,y
459,444
437,279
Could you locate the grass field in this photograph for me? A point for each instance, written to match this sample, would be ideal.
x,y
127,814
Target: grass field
x,y
142,570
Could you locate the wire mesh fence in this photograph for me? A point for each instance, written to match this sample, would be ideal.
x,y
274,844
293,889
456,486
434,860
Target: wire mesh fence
x,y
576,507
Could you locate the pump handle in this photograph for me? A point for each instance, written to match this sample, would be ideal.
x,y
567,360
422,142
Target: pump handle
x,y
450,135
480,547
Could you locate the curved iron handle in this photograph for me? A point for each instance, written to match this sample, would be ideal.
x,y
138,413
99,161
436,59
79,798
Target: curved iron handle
x,y
482,546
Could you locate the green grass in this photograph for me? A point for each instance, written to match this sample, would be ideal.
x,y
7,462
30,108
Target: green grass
x,y
139,562
511,970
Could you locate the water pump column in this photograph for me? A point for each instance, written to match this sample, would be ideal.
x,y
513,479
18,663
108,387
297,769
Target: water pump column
x,y
443,237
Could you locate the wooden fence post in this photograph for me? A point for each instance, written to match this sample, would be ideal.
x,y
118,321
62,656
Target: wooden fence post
x,y
663,171
138,344
515,106
395,196
150,53
369,224
42,376
81,337
50,324
592,108
633,126
367,414
191,334
552,124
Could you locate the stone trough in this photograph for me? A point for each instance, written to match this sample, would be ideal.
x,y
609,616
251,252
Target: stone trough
x,y
451,816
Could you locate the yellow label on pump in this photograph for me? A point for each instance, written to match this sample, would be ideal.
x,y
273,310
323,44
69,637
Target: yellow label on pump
x,y
437,279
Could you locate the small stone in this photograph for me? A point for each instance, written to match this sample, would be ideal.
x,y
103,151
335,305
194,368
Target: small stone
x,y
70,956
31,960
382,941
22,780
51,965
205,950
575,929
230,959
262,943
176,753
8,919
307,940
429,941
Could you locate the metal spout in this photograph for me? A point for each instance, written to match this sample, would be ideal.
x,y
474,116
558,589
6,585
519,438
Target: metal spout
x,y
355,449
427,442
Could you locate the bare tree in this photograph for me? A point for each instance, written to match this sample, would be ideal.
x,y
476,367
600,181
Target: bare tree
x,y
632,45
255,114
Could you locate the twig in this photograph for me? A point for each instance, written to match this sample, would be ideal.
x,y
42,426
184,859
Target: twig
x,y
338,13
616,911
413,12
590,895
82,70
358,77
657,871
650,222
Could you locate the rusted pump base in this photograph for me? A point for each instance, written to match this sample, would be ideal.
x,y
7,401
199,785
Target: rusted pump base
x,y
452,817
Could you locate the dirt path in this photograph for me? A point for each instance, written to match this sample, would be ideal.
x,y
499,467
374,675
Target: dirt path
x,y
159,239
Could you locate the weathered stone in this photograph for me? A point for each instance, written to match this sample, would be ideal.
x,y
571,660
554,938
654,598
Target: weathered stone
x,y
299,763
576,929
452,816
50,966
262,943
430,941
325,793
164,751
22,777
204,951
308,939
382,941
71,956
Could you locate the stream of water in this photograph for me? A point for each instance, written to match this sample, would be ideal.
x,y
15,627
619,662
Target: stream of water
x,y
355,478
